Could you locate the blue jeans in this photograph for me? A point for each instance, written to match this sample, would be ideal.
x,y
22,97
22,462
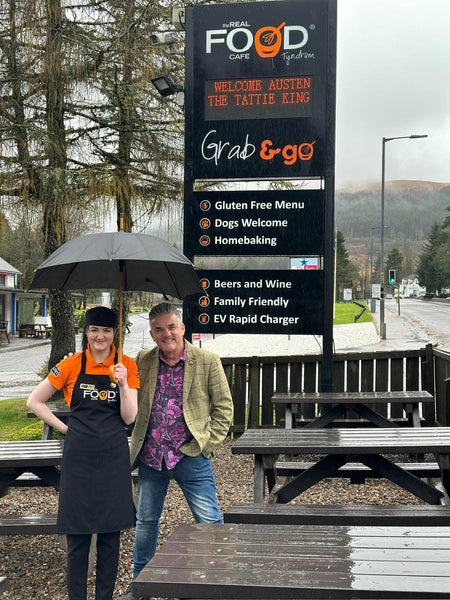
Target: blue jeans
x,y
194,475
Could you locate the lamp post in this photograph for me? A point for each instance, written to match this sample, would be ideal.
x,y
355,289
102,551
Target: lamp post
x,y
386,139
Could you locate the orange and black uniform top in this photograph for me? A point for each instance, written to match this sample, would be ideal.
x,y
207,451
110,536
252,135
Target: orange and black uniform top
x,y
65,374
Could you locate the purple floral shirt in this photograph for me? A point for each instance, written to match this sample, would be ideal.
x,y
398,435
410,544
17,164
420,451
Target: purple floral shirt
x,y
167,430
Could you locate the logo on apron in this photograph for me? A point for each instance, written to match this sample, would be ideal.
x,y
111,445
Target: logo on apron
x,y
102,395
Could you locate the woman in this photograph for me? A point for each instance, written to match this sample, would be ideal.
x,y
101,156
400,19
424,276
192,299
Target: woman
x,y
95,493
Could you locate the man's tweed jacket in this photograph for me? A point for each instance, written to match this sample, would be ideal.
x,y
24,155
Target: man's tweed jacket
x,y
207,402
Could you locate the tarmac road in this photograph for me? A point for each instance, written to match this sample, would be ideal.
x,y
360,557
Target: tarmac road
x,y
21,360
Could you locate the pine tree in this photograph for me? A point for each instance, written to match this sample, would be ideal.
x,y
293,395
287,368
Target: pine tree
x,y
429,270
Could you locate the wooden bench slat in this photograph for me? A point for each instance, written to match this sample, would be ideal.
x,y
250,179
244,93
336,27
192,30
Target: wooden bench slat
x,y
376,440
420,469
28,524
306,514
338,423
349,397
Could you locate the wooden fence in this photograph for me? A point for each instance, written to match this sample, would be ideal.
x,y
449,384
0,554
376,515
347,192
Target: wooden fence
x,y
254,379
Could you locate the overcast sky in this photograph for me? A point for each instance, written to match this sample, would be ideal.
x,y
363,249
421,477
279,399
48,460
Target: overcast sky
x,y
393,79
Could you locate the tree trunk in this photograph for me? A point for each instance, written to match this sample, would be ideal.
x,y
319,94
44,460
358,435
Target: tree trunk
x,y
55,188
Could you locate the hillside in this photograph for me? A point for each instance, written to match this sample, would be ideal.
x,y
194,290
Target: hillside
x,y
410,209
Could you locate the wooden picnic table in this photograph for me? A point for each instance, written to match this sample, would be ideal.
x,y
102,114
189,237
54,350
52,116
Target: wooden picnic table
x,y
4,335
334,405
41,458
301,561
339,447
60,409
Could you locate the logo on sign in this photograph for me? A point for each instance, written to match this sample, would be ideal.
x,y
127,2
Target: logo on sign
x,y
267,42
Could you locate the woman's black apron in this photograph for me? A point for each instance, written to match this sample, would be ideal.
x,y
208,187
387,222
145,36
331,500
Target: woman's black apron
x,y
95,493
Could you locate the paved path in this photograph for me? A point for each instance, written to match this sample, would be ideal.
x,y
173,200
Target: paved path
x,y
21,360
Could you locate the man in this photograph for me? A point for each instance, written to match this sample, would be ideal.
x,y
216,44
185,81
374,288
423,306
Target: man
x,y
184,412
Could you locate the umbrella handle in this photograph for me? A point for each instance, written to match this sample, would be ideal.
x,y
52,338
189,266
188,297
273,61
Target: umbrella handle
x,y
111,374
111,367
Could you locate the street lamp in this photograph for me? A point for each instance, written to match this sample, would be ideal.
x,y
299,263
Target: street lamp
x,y
388,139
166,87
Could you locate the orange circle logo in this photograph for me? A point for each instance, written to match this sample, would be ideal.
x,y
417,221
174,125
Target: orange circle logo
x,y
103,395
268,40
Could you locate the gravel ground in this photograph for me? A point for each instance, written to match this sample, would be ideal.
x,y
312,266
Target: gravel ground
x,y
35,565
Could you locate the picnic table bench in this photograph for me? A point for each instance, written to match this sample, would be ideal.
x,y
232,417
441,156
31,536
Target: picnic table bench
x,y
245,560
39,328
4,335
331,514
33,462
335,405
339,447
28,524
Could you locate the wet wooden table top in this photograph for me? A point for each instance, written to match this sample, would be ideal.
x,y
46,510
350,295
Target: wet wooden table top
x,y
285,561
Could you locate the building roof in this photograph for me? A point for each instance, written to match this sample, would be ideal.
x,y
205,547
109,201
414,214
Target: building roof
x,y
6,268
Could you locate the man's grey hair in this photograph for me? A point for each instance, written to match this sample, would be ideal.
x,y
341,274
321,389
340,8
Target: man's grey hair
x,y
163,308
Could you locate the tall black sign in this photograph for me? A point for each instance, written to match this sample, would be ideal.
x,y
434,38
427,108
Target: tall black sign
x,y
260,101
256,89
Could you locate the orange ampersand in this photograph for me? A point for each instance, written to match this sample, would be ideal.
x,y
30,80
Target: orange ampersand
x,y
266,152
268,40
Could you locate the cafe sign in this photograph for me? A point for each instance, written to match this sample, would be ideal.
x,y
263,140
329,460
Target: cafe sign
x,y
256,84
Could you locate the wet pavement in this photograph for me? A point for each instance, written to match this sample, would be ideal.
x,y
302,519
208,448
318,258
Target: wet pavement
x,y
23,358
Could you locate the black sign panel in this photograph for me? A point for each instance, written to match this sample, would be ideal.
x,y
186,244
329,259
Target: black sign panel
x,y
289,302
256,89
272,223
264,98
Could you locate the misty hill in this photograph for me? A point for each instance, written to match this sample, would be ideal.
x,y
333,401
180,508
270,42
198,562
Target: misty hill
x,y
410,210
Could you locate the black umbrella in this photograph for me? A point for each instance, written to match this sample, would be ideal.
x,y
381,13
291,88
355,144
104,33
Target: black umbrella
x,y
119,260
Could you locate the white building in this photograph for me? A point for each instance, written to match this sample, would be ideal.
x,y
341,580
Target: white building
x,y
410,288
8,289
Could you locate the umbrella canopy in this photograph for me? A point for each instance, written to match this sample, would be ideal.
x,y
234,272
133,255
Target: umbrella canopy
x,y
97,260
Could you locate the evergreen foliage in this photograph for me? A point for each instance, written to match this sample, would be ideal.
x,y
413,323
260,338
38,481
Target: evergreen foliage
x,y
433,270
346,272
